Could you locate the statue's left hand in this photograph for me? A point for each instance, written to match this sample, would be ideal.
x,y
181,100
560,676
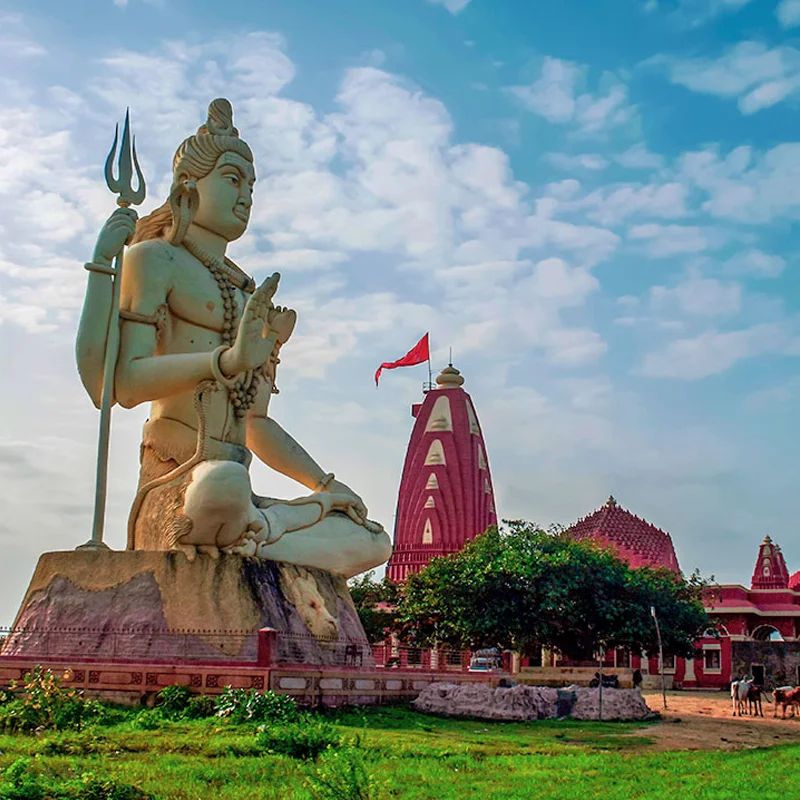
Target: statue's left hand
x,y
351,498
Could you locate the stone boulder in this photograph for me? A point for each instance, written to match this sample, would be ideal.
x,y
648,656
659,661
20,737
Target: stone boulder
x,y
526,703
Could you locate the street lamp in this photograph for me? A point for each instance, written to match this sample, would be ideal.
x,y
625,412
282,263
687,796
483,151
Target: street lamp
x,y
660,655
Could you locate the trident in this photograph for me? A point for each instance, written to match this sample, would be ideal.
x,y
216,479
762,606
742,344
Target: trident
x,y
122,186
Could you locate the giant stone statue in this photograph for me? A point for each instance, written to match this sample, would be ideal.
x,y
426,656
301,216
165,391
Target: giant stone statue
x,y
200,342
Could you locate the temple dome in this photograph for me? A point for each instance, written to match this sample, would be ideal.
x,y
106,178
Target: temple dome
x,y
635,540
449,378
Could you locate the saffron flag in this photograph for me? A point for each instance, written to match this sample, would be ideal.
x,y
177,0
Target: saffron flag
x,y
418,354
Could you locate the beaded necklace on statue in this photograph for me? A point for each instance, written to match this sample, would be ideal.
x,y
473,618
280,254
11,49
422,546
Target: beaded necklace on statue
x,y
243,392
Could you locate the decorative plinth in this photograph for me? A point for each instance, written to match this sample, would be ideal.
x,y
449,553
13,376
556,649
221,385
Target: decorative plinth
x,y
159,605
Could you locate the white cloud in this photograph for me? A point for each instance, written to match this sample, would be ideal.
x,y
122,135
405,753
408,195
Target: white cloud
x,y
788,13
755,263
638,157
746,186
694,13
756,76
453,6
664,241
558,95
580,161
699,296
714,352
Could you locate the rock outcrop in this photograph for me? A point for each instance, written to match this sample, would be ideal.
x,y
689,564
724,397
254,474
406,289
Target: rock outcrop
x,y
525,703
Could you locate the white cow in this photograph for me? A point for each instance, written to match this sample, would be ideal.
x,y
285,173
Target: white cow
x,y
739,691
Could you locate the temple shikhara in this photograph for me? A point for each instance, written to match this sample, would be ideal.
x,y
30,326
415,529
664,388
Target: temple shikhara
x,y
635,540
446,495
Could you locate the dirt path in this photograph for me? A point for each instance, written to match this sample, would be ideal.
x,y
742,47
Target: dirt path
x,y
703,721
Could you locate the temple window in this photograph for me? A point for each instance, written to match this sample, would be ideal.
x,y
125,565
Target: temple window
x,y
441,418
435,453
473,420
427,533
481,457
430,502
433,482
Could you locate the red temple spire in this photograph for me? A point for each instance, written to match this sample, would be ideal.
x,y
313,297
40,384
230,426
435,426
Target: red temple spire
x,y
770,571
446,496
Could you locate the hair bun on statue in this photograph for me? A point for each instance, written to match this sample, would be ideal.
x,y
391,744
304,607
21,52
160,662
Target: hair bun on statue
x,y
220,119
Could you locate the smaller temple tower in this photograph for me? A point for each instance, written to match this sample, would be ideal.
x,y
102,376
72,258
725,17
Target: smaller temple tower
x,y
770,571
634,539
446,496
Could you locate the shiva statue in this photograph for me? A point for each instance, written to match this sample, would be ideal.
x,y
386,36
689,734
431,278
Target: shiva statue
x,y
201,343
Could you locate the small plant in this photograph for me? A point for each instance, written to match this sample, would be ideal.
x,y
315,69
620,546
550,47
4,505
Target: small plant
x,y
342,774
41,703
172,701
22,783
248,705
200,706
305,740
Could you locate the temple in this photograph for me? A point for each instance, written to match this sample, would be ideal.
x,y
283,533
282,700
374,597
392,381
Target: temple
x,y
446,496
635,540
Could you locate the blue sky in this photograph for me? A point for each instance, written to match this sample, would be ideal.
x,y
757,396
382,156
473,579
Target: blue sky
x,y
594,204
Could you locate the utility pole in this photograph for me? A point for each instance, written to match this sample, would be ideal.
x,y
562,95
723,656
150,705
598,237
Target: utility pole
x,y
660,655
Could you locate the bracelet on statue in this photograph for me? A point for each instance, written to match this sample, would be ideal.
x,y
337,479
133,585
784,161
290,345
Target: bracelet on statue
x,y
216,369
93,266
325,482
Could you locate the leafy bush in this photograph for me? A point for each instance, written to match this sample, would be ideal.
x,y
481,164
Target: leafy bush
x,y
200,706
305,740
248,705
41,703
172,701
22,783
342,774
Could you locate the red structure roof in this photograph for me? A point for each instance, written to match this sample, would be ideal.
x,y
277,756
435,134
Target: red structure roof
x,y
770,571
446,496
794,581
636,540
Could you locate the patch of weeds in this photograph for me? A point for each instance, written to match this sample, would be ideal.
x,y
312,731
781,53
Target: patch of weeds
x,y
21,782
249,705
343,774
39,702
305,740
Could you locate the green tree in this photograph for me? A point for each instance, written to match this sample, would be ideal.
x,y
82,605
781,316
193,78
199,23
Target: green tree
x,y
375,602
523,588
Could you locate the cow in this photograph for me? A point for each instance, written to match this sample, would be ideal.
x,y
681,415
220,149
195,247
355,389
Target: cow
x,y
739,692
754,706
786,696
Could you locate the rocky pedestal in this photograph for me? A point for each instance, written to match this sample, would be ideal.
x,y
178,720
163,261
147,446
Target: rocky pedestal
x,y
140,605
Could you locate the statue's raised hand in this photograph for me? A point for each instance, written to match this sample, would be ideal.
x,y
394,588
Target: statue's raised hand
x,y
254,340
114,235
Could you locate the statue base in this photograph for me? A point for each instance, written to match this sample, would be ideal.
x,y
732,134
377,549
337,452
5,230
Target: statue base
x,y
138,604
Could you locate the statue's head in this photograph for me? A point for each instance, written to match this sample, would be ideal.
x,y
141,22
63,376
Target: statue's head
x,y
212,183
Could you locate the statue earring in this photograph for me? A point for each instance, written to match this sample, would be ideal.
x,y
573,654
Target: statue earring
x,y
183,200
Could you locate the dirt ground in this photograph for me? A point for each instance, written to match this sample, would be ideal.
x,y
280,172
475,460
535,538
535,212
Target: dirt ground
x,y
703,721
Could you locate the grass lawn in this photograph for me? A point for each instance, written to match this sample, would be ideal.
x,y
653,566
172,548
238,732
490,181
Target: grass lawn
x,y
409,755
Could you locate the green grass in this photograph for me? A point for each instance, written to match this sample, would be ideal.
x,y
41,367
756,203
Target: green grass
x,y
411,756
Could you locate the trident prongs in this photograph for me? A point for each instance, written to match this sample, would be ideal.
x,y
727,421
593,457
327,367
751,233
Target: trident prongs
x,y
123,185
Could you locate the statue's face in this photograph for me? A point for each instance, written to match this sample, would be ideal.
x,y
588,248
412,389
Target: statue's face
x,y
225,197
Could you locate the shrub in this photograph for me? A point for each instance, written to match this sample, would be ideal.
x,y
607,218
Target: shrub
x,y
22,783
41,703
172,701
200,706
342,774
305,740
248,705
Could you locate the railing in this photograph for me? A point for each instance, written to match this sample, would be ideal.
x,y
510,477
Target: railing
x,y
130,643
264,648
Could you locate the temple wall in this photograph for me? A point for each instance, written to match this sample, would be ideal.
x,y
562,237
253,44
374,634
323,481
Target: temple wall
x,y
781,661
